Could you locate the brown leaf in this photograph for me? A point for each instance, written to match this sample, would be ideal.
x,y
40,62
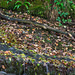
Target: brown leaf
x,y
3,66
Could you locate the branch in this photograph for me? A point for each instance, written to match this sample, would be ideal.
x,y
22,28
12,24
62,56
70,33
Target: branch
x,y
36,24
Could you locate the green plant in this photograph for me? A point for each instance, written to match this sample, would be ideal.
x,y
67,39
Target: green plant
x,y
37,8
19,4
8,1
64,9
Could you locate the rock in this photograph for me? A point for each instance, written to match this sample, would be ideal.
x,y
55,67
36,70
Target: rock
x,y
11,74
11,48
3,73
24,74
3,47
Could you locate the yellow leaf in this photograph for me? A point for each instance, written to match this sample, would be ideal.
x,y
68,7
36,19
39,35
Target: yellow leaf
x,y
59,74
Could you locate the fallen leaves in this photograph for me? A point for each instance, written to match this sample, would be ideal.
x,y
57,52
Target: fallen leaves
x,y
7,53
38,42
3,66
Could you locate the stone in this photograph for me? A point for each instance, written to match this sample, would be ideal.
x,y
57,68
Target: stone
x,y
3,73
11,74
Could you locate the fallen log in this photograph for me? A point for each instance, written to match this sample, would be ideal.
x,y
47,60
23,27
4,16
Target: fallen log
x,y
36,24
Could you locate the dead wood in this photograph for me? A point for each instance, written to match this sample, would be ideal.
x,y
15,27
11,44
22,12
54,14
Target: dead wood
x,y
36,24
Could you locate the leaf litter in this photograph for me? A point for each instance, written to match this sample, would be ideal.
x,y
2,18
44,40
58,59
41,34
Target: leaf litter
x,y
37,44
